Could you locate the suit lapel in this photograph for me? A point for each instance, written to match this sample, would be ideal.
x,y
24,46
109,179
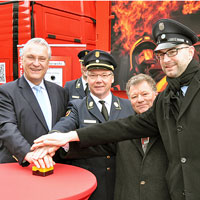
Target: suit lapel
x,y
79,88
115,108
190,94
93,109
28,94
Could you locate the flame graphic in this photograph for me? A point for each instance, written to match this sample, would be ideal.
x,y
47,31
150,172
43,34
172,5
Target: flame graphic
x,y
135,18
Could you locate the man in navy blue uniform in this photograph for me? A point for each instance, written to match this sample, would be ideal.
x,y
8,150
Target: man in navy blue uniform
x,y
78,89
98,107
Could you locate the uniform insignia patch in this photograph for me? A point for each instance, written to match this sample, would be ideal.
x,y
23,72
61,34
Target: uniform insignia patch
x,y
78,85
91,103
67,113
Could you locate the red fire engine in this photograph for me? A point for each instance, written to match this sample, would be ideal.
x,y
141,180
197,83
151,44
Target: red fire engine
x,y
68,26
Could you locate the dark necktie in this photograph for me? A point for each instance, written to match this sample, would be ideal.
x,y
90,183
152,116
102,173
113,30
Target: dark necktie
x,y
104,110
86,89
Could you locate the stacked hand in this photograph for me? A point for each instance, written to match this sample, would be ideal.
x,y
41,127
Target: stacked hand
x,y
45,147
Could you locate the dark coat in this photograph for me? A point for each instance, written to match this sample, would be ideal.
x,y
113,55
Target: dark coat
x,y
21,118
75,89
180,137
85,113
139,175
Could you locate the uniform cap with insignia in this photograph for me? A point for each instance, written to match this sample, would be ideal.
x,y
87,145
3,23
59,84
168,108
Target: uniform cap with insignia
x,y
98,59
168,33
82,54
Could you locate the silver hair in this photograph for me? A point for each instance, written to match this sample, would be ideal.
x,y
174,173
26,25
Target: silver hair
x,y
138,79
40,41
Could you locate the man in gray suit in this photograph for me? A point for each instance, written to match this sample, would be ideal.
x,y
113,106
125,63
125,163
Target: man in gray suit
x,y
22,115
78,89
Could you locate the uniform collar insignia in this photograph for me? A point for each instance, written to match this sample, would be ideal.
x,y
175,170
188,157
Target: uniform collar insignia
x,y
78,84
90,105
117,104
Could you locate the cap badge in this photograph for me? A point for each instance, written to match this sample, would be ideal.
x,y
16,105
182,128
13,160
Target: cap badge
x,y
161,26
97,54
163,36
86,53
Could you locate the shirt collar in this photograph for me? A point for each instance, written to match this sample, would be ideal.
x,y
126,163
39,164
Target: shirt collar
x,y
32,85
107,99
83,82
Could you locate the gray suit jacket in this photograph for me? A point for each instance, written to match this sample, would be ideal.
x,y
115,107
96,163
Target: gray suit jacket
x,y
21,119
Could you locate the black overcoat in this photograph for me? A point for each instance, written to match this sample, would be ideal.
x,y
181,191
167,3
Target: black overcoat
x,y
181,138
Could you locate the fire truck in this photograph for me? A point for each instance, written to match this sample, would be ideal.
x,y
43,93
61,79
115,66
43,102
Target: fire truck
x,y
68,26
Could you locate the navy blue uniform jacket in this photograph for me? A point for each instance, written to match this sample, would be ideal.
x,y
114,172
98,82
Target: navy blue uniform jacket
x,y
85,113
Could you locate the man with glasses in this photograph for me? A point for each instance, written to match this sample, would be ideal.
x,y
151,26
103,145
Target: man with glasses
x,y
98,107
174,115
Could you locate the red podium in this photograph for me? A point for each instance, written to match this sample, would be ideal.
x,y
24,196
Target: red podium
x,y
67,182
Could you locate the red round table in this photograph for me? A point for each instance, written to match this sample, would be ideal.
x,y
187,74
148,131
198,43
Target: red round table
x,y
67,182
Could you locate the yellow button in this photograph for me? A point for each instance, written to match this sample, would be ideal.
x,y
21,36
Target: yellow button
x,y
108,168
142,183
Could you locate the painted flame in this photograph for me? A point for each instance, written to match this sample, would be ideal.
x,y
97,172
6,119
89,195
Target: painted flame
x,y
134,19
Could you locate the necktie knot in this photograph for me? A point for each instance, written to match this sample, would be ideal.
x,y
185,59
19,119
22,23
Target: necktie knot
x,y
104,110
102,102
37,88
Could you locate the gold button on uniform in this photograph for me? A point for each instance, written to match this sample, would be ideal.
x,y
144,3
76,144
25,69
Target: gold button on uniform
x,y
108,168
108,157
142,182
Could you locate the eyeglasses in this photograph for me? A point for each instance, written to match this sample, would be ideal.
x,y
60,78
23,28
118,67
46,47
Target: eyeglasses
x,y
170,53
103,76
